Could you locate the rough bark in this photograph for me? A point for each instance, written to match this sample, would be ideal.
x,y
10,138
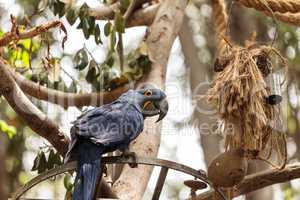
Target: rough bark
x,y
28,112
265,193
15,35
160,38
141,16
67,99
198,75
3,188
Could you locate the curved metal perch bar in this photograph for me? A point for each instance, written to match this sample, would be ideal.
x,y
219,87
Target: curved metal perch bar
x,y
165,164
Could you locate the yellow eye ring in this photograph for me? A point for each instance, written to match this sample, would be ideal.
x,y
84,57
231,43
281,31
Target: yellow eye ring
x,y
148,93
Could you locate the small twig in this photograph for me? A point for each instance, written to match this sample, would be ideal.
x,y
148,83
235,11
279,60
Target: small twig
x,y
120,35
121,51
30,51
90,53
15,35
129,11
71,77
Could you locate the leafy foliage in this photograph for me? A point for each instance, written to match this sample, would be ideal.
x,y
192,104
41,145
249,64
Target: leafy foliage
x,y
107,75
41,163
20,54
87,23
81,59
102,76
10,131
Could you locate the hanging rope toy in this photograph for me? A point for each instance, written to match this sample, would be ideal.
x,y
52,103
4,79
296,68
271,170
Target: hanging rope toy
x,y
243,92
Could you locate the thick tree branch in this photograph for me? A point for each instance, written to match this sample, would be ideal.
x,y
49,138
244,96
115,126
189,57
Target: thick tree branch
x,y
33,117
160,38
260,180
3,184
108,12
67,99
141,16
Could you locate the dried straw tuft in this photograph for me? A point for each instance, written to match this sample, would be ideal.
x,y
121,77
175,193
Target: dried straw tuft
x,y
239,92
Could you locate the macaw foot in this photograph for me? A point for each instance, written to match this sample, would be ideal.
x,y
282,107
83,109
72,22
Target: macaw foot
x,y
104,171
132,155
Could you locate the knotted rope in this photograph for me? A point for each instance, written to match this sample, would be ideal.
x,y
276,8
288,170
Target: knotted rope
x,y
281,6
220,23
287,11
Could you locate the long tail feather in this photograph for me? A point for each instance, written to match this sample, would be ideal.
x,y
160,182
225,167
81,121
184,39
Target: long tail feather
x,y
88,171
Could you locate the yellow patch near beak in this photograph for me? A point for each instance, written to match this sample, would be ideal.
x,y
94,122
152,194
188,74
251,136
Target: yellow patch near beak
x,y
148,105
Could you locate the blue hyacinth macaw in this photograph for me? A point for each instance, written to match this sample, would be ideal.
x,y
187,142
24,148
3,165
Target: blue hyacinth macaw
x,y
108,128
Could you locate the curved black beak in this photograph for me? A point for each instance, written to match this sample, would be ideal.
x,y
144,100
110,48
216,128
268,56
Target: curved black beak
x,y
163,108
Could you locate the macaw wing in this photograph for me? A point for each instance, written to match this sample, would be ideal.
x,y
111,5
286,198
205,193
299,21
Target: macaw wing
x,y
101,125
111,125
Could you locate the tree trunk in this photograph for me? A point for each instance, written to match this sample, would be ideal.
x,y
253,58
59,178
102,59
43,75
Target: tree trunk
x,y
265,193
199,74
3,188
160,37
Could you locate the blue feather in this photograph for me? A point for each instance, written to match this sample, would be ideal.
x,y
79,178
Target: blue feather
x,y
101,130
88,170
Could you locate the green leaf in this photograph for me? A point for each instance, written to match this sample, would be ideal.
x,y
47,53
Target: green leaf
x,y
42,164
57,159
10,131
33,77
113,40
97,35
71,16
107,28
73,87
59,8
104,78
25,43
92,73
110,61
3,126
80,25
124,5
84,11
85,28
91,22
39,163
119,23
68,182
56,85
51,159
35,163
145,63
81,59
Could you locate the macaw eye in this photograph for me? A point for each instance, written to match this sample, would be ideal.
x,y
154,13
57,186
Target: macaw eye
x,y
148,93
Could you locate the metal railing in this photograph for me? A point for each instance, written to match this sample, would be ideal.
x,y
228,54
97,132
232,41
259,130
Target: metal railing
x,y
164,164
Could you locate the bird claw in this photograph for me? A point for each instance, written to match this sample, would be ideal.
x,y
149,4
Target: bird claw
x,y
104,170
132,156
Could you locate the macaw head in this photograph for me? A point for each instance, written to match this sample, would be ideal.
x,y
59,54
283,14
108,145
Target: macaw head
x,y
150,101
